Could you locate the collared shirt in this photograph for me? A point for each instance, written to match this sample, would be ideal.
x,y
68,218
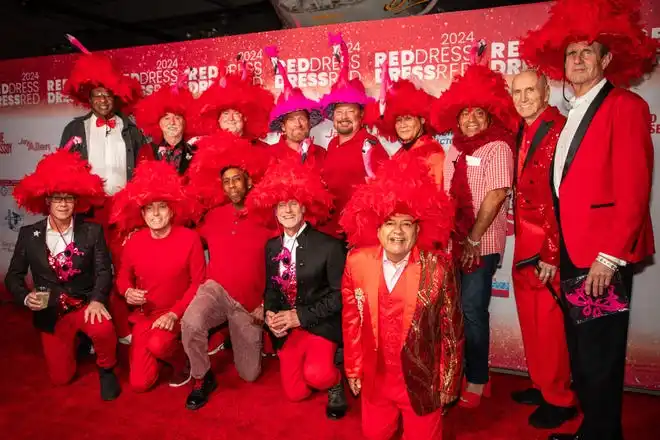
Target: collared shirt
x,y
107,153
393,271
291,243
55,241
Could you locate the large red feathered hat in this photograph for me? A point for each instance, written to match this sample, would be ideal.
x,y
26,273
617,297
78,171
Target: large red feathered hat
x,y
60,172
168,99
154,181
92,70
402,186
291,180
613,23
237,92
478,87
218,152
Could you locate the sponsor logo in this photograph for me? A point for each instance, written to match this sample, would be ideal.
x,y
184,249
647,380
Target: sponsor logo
x,y
505,57
7,246
501,288
14,220
5,147
35,146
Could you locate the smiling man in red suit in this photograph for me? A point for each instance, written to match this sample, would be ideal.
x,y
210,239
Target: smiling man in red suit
x,y
601,182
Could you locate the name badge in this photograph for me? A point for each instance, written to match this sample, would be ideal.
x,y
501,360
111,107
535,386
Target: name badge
x,y
473,161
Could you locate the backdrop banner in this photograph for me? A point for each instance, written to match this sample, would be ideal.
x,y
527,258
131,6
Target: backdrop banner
x,y
433,48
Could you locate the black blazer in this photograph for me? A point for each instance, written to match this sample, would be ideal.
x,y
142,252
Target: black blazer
x,y
133,139
93,282
188,151
320,261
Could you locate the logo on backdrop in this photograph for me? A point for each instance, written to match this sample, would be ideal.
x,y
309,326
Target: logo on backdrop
x,y
54,88
36,146
19,93
5,147
655,126
14,220
505,57
501,288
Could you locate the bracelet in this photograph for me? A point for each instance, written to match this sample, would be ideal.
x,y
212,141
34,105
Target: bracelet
x,y
472,242
605,262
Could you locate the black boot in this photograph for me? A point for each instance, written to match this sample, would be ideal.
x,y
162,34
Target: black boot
x,y
202,388
337,405
530,396
548,416
110,388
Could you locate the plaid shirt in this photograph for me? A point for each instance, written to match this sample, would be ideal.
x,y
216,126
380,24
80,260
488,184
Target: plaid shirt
x,y
489,168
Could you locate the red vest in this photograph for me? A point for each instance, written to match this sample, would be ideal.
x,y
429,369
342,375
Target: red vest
x,y
390,328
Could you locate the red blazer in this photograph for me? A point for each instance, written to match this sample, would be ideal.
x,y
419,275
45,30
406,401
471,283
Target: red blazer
x,y
281,151
604,195
535,220
432,330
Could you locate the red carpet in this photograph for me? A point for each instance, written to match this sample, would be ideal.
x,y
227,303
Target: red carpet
x,y
30,408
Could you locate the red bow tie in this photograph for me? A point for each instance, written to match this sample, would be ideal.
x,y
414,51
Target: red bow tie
x,y
109,122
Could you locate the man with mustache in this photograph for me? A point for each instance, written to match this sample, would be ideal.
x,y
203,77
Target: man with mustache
x,y
601,183
536,256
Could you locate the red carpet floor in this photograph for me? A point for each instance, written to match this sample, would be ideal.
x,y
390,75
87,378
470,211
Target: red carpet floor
x,y
30,408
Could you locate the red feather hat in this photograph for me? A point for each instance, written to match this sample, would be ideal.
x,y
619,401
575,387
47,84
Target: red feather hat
x,y
613,23
149,111
154,181
221,150
60,172
291,180
237,92
478,87
401,186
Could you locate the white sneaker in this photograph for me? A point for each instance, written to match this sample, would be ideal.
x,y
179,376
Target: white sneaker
x,y
126,340
217,349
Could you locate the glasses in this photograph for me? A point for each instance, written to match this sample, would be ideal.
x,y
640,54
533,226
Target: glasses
x,y
69,200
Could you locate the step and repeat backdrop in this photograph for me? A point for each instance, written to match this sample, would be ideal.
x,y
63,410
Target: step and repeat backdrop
x,y
432,48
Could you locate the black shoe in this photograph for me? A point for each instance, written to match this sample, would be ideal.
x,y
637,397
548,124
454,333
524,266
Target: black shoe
x,y
564,437
337,405
530,396
549,416
202,388
110,388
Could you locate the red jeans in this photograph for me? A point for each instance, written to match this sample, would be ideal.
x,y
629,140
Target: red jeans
x,y
59,347
306,363
148,347
389,400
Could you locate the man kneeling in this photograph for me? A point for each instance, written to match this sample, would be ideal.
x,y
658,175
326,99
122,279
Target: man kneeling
x,y
304,268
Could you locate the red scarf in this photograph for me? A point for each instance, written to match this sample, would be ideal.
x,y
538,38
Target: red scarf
x,y
460,188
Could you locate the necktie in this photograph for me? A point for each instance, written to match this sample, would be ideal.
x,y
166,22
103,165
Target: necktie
x,y
109,122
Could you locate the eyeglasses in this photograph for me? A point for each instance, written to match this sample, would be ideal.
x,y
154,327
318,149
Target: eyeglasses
x,y
69,200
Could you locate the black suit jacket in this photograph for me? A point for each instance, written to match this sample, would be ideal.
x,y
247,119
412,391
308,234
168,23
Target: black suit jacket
x,y
320,261
93,282
133,139
187,153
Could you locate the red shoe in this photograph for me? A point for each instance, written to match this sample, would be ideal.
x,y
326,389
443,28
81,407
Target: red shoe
x,y
473,400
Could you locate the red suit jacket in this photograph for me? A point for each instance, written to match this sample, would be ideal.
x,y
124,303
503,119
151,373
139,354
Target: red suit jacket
x,y
432,333
604,194
535,221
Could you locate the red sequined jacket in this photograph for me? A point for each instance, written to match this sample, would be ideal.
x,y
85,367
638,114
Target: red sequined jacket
x,y
432,336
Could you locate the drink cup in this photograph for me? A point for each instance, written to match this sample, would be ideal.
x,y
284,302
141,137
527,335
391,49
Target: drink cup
x,y
43,294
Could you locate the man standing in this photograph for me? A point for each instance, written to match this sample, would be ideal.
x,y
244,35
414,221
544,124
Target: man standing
x,y
107,138
536,256
162,267
70,267
601,182
236,274
478,173
303,282
402,324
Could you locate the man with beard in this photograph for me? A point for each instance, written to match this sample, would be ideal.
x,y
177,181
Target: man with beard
x,y
601,183
236,275
536,256
161,270
303,282
164,116
478,174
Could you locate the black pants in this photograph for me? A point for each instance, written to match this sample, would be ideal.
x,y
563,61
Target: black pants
x,y
597,351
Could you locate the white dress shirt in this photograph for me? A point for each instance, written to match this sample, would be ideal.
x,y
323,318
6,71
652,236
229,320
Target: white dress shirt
x,y
55,241
579,106
393,271
107,153
291,243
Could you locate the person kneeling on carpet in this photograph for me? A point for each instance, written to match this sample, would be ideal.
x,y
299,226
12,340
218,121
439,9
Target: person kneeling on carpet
x,y
162,267
402,323
303,282
70,266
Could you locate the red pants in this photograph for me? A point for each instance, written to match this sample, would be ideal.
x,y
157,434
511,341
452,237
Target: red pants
x,y
60,346
544,339
306,363
388,402
148,347
118,308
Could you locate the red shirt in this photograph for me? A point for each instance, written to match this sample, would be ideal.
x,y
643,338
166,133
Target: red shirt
x,y
237,250
170,269
282,151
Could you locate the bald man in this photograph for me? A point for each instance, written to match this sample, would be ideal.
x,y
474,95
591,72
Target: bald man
x,y
536,256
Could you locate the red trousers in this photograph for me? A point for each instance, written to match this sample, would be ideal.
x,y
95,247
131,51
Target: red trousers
x,y
150,346
306,363
118,308
544,338
60,346
388,401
